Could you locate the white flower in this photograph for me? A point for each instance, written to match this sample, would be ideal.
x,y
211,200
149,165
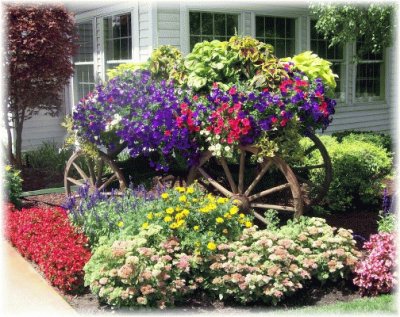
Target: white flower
x,y
217,136
211,148
227,148
218,147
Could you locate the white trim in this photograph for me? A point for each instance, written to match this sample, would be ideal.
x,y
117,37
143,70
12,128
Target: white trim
x,y
105,11
135,33
253,24
153,25
102,54
184,28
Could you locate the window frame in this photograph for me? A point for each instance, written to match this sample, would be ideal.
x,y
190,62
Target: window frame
x,y
213,12
382,80
343,65
75,82
115,62
276,16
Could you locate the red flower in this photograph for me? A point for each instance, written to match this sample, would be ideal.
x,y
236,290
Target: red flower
x,y
232,90
167,133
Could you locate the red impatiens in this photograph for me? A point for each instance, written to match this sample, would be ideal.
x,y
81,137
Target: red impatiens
x,y
46,237
376,273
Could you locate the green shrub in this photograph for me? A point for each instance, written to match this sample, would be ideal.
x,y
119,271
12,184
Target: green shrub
x,y
358,170
376,138
48,155
387,222
13,185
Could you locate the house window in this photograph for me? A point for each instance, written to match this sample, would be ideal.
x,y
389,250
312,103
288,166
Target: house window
x,y
279,32
83,61
334,54
208,26
370,75
117,39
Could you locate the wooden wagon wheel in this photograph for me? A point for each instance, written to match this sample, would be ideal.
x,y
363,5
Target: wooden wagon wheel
x,y
101,173
246,183
314,191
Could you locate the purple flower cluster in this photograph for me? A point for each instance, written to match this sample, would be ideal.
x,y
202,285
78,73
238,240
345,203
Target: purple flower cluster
x,y
140,112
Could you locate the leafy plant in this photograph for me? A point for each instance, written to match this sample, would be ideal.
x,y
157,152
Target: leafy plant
x,y
13,185
46,237
48,155
124,69
343,23
378,139
375,274
358,170
314,67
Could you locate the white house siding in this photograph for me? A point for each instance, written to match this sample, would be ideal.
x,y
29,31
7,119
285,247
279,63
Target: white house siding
x,y
145,31
41,128
168,25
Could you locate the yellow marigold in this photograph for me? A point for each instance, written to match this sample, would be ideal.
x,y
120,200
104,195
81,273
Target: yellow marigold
x,y
186,212
212,206
236,201
234,210
197,252
167,219
179,208
248,224
145,225
183,198
241,215
227,215
8,168
197,244
211,246
180,222
164,195
169,210
120,224
196,228
219,220
158,214
195,200
222,200
150,216
179,216
190,190
173,225
180,189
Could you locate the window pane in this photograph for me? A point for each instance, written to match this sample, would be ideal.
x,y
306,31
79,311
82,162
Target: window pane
x,y
280,48
280,29
290,48
118,37
206,24
269,27
84,80
290,28
194,18
232,24
85,42
259,26
368,81
219,24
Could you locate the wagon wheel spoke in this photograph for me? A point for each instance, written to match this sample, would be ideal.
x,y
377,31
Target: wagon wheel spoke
x,y
74,181
310,150
272,206
241,170
259,217
99,173
214,183
228,175
258,177
268,191
306,181
108,182
80,171
309,167
92,179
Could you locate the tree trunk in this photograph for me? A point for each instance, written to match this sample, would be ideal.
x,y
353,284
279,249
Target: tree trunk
x,y
19,124
10,155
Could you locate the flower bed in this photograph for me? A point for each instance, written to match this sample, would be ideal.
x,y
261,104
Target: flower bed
x,y
46,237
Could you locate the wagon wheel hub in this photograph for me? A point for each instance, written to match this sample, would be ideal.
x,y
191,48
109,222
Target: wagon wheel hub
x,y
242,202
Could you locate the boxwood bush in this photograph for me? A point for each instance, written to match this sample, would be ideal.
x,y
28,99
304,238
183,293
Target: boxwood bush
x,y
359,166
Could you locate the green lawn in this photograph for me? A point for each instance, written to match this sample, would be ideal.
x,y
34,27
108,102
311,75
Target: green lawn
x,y
383,303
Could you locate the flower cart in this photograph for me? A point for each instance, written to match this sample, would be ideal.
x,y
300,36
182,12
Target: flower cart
x,y
246,144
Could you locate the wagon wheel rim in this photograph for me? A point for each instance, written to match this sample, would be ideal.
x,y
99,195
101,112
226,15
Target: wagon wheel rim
x,y
83,170
320,189
247,195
